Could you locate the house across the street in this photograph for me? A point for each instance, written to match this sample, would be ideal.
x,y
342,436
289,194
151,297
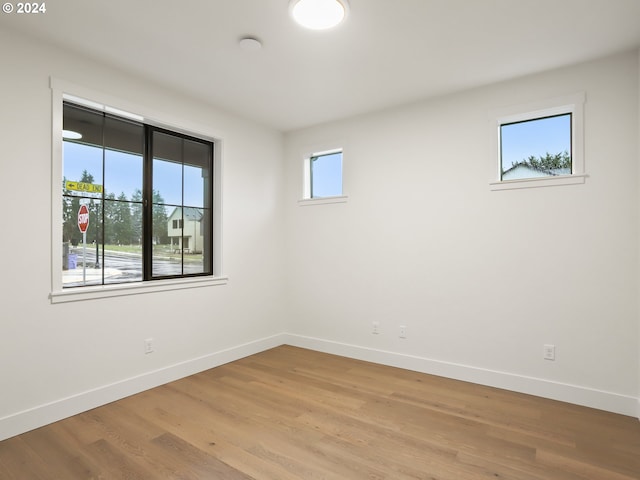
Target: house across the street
x,y
185,230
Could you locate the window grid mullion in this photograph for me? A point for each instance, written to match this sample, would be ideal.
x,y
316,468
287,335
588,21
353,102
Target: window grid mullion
x,y
147,205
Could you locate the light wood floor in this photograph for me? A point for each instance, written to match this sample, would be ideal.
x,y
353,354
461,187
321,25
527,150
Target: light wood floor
x,y
290,413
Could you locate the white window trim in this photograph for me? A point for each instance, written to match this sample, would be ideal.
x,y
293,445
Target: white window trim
x,y
134,288
306,199
307,202
573,104
61,90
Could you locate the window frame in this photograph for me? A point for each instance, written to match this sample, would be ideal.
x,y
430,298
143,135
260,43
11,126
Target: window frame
x,y
572,105
307,178
66,91
148,274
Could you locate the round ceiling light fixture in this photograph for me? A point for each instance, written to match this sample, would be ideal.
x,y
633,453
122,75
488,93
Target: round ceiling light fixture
x,y
318,14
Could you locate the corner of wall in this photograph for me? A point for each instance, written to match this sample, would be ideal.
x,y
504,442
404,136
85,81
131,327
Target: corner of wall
x,y
638,200
564,392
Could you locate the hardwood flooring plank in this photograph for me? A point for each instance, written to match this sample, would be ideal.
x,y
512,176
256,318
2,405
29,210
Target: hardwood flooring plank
x,y
114,463
52,446
186,457
583,468
496,468
210,429
289,383
19,460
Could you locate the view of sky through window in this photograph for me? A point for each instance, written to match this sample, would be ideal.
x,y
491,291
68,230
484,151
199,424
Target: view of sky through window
x,y
124,172
535,138
326,175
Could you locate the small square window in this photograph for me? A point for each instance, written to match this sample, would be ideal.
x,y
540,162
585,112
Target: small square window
x,y
323,175
539,144
536,148
322,178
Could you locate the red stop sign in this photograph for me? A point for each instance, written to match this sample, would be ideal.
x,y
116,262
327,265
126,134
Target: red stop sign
x,y
83,218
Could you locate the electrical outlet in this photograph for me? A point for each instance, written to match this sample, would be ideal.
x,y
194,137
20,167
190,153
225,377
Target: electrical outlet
x,y
403,331
549,352
375,328
148,346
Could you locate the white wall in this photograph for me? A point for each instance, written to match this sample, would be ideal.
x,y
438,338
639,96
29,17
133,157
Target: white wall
x,y
59,359
482,279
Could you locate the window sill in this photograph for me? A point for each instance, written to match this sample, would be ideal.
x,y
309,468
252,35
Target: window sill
x,y
538,182
122,289
306,202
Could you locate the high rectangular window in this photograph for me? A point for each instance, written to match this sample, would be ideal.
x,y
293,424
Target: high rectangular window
x,y
148,194
325,178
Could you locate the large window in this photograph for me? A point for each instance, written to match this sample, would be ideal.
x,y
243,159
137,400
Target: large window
x,y
137,201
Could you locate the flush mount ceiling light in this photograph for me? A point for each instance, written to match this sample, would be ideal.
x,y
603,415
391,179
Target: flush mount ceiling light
x,y
318,14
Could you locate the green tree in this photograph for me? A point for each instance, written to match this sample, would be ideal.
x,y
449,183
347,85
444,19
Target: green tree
x,y
136,217
547,162
159,219
110,219
122,227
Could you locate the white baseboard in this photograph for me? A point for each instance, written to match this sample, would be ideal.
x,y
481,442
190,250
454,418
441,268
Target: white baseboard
x,y
32,418
611,402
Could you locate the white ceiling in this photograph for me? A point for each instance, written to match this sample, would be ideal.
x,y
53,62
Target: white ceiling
x,y
387,52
